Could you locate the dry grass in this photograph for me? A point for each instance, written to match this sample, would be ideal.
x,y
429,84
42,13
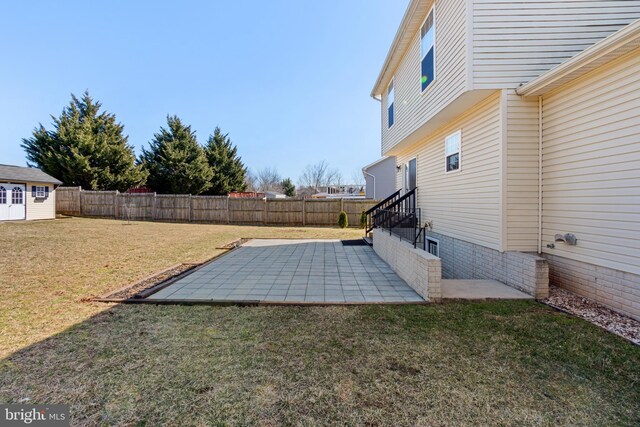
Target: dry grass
x,y
50,266
493,363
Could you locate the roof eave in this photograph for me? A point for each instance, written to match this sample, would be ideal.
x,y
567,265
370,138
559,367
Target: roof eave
x,y
579,64
400,34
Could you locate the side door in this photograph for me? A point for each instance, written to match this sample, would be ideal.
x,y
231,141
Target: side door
x,y
5,197
17,201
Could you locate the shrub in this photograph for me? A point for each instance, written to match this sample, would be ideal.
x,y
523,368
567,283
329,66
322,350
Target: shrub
x,y
363,219
343,222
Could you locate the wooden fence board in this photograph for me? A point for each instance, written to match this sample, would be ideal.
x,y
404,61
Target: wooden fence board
x,y
212,209
322,212
172,207
284,211
135,207
98,203
209,209
68,200
246,211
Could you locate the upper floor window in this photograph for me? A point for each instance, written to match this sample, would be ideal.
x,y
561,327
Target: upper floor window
x,y
427,50
390,104
452,145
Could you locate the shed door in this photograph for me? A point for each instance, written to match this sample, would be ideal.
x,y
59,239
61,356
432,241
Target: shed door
x,y
12,201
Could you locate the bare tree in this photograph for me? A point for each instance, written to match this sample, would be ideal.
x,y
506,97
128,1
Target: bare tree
x,y
358,178
319,175
250,180
268,179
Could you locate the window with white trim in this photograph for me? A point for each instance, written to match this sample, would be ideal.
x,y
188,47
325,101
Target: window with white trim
x,y
40,192
452,145
3,195
433,246
428,51
391,104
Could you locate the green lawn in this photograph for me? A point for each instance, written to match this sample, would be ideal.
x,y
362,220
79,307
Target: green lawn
x,y
492,363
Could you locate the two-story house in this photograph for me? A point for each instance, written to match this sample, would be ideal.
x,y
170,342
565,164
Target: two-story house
x,y
518,126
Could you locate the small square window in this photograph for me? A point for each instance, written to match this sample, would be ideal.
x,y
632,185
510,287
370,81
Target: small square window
x,y
40,192
433,247
452,145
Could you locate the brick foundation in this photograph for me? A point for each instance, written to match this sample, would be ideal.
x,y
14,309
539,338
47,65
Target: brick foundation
x,y
615,289
418,268
463,260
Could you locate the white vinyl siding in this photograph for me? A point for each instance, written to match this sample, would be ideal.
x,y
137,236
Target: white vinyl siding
x,y
412,106
466,204
514,42
591,166
522,173
40,208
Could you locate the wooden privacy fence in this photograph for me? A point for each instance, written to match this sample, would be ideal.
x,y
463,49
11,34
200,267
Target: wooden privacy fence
x,y
207,209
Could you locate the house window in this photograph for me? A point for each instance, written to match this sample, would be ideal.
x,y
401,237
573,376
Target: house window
x,y
433,247
391,103
452,151
16,196
427,50
3,196
40,193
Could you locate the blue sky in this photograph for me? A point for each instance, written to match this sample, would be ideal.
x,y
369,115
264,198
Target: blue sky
x,y
288,80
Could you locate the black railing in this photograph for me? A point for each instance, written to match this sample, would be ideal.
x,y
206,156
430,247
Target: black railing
x,y
380,206
403,224
399,215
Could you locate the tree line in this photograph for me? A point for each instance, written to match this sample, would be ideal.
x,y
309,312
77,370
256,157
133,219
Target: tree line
x,y
87,147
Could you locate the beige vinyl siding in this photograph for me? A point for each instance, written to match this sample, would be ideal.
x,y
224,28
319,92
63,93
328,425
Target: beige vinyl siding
x,y
412,106
514,42
591,166
522,173
463,204
40,208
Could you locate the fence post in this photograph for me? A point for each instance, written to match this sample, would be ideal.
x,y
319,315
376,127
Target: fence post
x,y
189,207
228,213
304,212
265,210
341,205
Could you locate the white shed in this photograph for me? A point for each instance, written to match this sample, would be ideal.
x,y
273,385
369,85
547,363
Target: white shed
x,y
26,193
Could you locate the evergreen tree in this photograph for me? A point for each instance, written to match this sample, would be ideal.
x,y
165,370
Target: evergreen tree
x,y
288,188
86,147
228,170
175,161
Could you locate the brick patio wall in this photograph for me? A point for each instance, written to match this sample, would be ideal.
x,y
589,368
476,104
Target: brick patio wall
x,y
526,272
421,270
618,290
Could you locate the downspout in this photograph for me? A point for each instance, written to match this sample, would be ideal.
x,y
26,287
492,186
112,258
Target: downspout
x,y
540,174
374,181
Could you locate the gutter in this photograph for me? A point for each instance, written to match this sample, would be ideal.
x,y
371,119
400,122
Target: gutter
x,y
374,181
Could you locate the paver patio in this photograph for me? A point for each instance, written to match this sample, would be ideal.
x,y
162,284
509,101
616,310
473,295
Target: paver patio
x,y
293,271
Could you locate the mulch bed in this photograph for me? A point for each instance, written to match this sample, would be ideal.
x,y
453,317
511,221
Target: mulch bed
x,y
139,288
595,313
149,282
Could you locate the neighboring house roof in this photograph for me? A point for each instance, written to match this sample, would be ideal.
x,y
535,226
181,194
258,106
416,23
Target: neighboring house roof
x,y
411,22
25,174
617,44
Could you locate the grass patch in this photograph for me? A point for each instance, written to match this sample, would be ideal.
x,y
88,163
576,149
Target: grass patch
x,y
491,363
